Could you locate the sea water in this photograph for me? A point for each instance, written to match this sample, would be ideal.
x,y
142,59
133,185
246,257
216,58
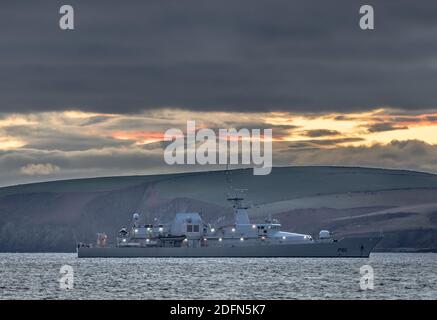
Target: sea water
x,y
395,276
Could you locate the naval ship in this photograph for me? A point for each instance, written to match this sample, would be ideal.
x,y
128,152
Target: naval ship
x,y
189,236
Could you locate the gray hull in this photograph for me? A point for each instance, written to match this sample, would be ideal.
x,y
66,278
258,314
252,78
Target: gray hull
x,y
359,247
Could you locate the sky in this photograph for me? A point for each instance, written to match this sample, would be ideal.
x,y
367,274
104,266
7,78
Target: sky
x,y
96,101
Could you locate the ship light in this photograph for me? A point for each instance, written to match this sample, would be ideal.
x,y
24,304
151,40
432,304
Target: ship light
x,y
254,226
148,229
220,239
124,240
241,239
204,239
136,230
263,238
147,240
212,230
233,230
161,229
283,238
185,240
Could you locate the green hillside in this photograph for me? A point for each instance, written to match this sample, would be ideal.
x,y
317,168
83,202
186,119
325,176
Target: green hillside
x,y
52,216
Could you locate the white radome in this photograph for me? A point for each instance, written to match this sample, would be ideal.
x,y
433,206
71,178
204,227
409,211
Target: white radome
x,y
324,234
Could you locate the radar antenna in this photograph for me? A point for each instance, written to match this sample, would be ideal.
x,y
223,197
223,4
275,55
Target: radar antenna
x,y
236,196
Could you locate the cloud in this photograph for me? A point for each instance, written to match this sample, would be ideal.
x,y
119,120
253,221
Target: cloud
x,y
57,145
318,143
41,169
31,165
381,127
43,137
321,133
232,55
96,120
431,118
409,154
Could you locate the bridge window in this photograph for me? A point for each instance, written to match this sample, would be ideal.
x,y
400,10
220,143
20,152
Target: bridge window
x,y
192,228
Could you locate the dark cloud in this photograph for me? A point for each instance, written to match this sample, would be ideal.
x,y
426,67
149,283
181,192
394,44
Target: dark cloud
x,y
233,55
406,119
409,154
278,131
95,120
317,143
159,145
89,163
343,118
257,125
385,126
321,133
57,139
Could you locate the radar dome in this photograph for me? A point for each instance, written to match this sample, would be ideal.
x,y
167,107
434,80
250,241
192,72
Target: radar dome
x,y
136,216
324,234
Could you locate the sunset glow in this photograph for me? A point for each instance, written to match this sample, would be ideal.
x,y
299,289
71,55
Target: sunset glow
x,y
354,129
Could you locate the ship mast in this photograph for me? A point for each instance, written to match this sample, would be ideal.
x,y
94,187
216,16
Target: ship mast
x,y
236,197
